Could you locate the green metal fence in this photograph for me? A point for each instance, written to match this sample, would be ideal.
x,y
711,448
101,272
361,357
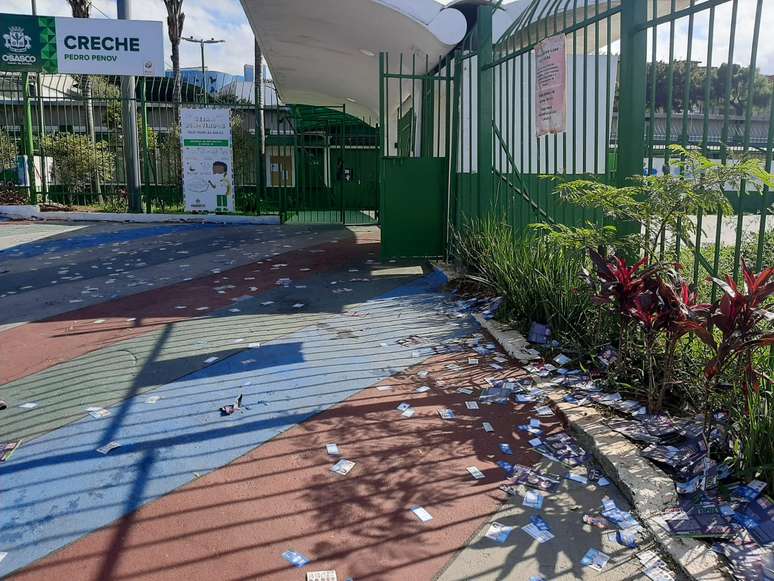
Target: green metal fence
x,y
641,75
319,164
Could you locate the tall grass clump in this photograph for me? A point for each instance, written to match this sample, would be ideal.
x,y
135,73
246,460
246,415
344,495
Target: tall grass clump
x,y
752,434
538,281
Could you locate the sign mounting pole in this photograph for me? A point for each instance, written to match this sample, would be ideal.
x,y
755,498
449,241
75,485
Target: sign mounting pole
x,y
129,116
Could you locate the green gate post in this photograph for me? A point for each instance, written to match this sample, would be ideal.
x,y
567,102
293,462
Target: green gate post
x,y
260,131
381,151
485,109
452,140
631,105
341,153
29,144
146,153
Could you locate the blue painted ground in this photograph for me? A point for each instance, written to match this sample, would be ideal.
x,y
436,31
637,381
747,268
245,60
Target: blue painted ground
x,y
83,241
58,488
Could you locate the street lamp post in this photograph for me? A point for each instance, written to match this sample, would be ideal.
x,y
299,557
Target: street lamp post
x,y
202,42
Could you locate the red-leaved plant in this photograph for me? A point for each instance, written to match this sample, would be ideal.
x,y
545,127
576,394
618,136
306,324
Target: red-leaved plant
x,y
737,325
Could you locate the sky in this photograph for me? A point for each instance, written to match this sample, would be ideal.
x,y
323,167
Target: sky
x,y
225,19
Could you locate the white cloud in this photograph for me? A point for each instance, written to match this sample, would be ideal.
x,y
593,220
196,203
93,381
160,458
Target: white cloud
x,y
743,36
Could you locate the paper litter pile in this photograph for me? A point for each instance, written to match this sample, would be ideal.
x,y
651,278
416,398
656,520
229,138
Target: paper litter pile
x,y
737,518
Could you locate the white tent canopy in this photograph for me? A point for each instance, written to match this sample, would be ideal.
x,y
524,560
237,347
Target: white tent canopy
x,y
325,52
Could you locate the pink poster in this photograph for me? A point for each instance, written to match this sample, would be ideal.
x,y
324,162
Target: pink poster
x,y
550,73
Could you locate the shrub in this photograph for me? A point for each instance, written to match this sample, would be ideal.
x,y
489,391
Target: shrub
x,y
752,444
8,151
538,281
76,160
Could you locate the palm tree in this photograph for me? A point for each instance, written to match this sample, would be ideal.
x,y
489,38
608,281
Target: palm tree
x,y
175,20
82,9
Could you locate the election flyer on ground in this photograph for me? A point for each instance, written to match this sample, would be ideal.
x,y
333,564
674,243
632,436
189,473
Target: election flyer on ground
x,y
81,45
205,138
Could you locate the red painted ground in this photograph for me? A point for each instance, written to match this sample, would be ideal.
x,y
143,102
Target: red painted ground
x,y
37,346
235,523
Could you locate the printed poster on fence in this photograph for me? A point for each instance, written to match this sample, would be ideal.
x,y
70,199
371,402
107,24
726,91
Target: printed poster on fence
x,y
208,173
550,77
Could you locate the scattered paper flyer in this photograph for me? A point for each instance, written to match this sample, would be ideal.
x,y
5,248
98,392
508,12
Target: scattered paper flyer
x,y
595,559
153,399
446,414
472,361
98,413
420,374
298,305
471,405
476,473
577,478
343,467
498,532
295,559
562,359
404,406
541,536
408,413
544,411
7,449
487,427
209,360
421,514
505,448
333,449
321,576
267,303
3,556
423,389
107,448
29,405
533,499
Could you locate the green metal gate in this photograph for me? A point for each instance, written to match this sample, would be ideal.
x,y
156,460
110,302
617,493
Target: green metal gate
x,y
322,166
640,75
415,166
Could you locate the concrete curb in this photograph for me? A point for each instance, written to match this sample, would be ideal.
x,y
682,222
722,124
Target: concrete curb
x,y
34,213
19,212
510,340
647,488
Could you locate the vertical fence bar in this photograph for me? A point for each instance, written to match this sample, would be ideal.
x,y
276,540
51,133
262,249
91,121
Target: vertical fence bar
x,y
631,107
485,108
145,158
29,145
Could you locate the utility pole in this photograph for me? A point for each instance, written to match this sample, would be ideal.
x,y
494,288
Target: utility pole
x,y
129,115
41,120
202,42
260,130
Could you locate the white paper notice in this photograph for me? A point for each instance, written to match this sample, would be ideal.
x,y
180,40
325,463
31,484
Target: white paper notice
x,y
550,74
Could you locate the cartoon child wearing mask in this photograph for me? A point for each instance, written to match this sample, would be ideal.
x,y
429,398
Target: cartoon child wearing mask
x,y
221,186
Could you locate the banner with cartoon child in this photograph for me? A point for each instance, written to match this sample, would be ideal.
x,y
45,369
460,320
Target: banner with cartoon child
x,y
208,172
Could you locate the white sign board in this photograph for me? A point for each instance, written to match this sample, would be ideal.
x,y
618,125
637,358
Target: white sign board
x,y
208,174
109,47
550,76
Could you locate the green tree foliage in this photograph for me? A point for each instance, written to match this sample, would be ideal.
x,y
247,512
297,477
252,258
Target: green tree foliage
x,y
663,204
76,160
8,151
695,76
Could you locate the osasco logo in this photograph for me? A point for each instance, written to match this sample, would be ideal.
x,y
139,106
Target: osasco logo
x,y
18,43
